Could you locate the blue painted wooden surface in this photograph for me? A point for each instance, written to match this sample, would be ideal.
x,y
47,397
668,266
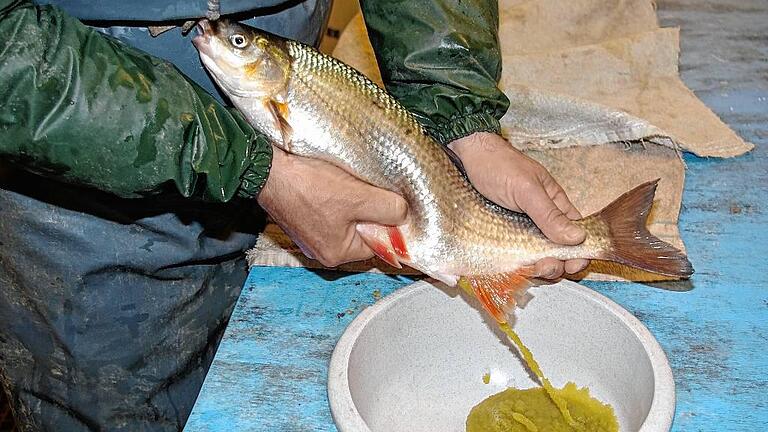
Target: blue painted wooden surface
x,y
270,371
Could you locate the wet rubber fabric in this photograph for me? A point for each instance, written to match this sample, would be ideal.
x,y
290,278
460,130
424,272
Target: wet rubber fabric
x,y
121,260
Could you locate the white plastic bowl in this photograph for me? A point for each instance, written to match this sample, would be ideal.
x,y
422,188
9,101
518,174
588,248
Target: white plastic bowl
x,y
415,360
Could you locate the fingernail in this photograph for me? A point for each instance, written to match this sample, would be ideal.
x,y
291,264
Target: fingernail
x,y
575,266
550,273
573,233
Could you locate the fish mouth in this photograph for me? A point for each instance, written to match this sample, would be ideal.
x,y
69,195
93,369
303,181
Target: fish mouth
x,y
203,38
204,27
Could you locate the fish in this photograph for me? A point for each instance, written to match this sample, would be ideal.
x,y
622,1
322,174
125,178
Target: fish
x,y
312,105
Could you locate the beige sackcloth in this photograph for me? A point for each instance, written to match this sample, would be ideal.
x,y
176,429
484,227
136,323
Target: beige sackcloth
x,y
595,97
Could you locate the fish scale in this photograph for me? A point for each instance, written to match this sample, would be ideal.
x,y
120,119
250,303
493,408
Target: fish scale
x,y
416,152
382,124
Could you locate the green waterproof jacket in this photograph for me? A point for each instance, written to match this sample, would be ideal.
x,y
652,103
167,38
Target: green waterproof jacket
x,y
85,108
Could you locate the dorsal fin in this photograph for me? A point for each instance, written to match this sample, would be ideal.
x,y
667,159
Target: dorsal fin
x,y
455,159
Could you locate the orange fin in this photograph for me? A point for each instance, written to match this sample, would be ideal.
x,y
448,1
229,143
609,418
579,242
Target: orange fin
x,y
631,242
280,113
497,293
398,243
379,239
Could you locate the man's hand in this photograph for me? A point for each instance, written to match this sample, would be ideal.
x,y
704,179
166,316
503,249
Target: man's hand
x,y
511,179
319,205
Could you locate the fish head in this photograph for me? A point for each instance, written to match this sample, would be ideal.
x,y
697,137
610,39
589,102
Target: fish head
x,y
243,61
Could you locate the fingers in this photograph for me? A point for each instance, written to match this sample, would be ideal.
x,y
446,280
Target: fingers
x,y
560,198
352,248
356,249
548,268
575,266
549,212
380,206
551,268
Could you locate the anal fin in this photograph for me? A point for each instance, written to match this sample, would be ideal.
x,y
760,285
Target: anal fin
x,y
498,293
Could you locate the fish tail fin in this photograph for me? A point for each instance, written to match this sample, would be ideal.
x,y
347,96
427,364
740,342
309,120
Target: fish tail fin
x,y
498,293
631,242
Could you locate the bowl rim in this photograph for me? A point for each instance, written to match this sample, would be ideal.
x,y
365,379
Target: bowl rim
x,y
348,419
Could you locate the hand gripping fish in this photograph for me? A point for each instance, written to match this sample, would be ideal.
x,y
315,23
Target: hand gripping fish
x,y
315,106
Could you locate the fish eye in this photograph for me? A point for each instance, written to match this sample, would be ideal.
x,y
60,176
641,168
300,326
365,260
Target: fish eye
x,y
238,41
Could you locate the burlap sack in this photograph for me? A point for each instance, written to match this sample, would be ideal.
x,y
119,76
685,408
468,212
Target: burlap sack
x,y
595,97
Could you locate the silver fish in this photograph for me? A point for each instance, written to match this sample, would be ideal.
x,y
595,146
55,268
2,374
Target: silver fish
x,y
312,105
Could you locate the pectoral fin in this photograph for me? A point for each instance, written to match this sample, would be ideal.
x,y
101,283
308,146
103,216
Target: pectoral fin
x,y
386,242
280,112
498,293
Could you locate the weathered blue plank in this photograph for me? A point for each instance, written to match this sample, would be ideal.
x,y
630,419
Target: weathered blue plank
x,y
270,371
272,365
715,331
716,335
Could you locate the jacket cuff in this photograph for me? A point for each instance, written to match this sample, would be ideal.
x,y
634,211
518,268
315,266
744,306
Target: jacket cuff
x,y
459,127
255,175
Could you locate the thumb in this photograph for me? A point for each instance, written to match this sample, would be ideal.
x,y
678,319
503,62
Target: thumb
x,y
537,203
381,206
